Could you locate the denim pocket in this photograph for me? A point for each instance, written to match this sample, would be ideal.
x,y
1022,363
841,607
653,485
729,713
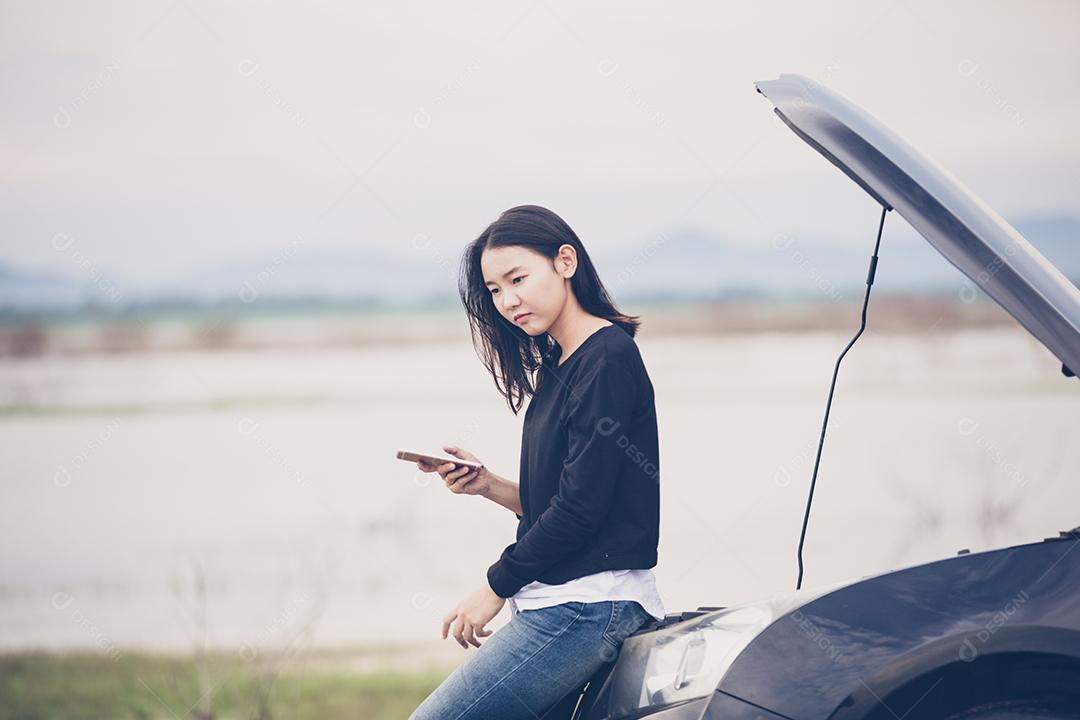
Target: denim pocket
x,y
552,620
626,617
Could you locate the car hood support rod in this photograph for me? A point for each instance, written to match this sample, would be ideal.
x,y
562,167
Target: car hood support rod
x,y
832,388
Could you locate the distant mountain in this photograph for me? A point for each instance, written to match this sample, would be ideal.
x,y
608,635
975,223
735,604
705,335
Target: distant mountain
x,y
306,277
23,289
698,265
683,265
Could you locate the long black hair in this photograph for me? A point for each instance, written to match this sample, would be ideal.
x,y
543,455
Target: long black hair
x,y
513,357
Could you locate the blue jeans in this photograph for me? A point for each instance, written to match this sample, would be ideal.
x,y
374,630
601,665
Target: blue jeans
x,y
533,661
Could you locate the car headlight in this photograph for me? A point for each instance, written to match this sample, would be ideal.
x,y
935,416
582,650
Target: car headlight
x,y
689,659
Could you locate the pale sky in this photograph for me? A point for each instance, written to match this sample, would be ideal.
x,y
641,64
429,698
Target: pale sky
x,y
158,137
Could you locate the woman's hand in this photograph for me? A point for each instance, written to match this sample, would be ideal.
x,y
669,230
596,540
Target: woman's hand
x,y
465,480
471,615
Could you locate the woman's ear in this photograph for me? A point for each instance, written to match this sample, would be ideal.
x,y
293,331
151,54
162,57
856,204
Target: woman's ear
x,y
566,261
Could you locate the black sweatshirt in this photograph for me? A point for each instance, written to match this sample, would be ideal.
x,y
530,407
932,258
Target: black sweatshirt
x,y
590,469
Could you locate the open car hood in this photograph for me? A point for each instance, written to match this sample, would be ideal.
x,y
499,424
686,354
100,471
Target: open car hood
x,y
962,227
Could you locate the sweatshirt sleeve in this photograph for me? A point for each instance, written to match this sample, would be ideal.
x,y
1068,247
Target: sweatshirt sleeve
x,y
600,408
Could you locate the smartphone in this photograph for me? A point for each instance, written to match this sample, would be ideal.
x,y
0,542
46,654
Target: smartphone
x,y
436,460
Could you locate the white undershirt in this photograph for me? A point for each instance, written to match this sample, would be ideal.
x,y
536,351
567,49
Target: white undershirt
x,y
638,584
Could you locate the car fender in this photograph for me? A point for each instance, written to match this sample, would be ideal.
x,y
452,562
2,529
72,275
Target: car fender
x,y
880,631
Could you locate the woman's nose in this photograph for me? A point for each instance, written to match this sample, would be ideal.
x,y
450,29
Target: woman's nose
x,y
510,301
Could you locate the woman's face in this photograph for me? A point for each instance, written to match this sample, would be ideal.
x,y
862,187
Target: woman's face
x,y
523,282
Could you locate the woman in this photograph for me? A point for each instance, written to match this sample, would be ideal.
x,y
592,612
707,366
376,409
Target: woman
x,y
579,576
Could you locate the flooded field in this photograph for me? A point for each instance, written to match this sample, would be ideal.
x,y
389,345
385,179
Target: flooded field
x,y
251,498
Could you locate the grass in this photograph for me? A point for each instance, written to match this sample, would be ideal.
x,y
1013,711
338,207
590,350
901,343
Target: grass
x,y
47,686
